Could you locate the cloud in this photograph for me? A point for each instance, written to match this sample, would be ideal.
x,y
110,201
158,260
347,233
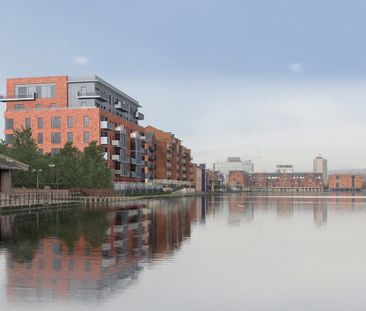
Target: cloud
x,y
81,60
296,68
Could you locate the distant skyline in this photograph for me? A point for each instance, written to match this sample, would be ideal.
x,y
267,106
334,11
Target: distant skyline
x,y
282,79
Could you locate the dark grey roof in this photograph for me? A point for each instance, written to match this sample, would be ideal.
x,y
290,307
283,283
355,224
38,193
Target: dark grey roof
x,y
7,163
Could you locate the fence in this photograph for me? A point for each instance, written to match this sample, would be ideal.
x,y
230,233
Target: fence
x,y
125,188
37,198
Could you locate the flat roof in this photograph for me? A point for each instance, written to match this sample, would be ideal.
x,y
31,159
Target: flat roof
x,y
95,78
7,163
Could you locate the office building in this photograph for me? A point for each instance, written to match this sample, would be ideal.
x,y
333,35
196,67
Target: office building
x,y
234,164
320,165
285,169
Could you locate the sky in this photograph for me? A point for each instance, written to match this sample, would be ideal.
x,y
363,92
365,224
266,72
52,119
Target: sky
x,y
277,82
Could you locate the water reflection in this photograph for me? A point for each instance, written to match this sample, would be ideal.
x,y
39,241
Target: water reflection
x,y
91,254
87,253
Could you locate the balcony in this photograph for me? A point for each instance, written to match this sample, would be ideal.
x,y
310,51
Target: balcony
x,y
104,140
116,157
93,95
121,106
105,125
135,135
117,172
120,128
19,97
105,156
133,161
116,143
139,115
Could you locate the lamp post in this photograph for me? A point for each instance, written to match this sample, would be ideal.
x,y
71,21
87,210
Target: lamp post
x,y
37,171
54,166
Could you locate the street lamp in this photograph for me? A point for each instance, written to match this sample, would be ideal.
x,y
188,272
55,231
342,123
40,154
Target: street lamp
x,y
37,171
53,166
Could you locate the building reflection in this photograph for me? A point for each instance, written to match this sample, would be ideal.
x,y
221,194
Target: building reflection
x,y
320,214
94,253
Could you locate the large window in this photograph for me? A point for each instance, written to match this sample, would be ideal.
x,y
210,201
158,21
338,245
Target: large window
x,y
9,139
9,124
41,90
56,138
70,122
70,137
27,123
40,123
56,122
55,151
86,137
86,121
40,138
18,107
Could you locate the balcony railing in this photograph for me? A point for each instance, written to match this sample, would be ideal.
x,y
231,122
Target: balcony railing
x,y
104,141
120,128
139,115
105,125
105,156
93,95
121,106
116,143
116,157
19,97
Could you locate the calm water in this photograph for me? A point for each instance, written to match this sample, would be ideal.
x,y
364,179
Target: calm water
x,y
204,253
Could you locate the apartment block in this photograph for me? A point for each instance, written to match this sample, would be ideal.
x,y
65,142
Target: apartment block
x,y
173,160
238,180
345,182
62,109
287,182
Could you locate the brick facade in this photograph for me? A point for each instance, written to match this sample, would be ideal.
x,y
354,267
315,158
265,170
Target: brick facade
x,y
345,182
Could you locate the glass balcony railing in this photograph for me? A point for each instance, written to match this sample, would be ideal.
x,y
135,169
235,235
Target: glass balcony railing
x,y
18,97
93,95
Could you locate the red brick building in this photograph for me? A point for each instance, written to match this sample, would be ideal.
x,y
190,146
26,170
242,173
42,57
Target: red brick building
x,y
238,180
345,182
173,160
64,109
287,182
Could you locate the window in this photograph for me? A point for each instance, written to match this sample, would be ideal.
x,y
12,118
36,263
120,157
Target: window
x,y
9,124
41,90
56,122
83,90
56,248
87,265
56,264
18,107
71,265
55,151
27,124
70,122
38,106
86,121
41,264
86,137
40,123
56,138
53,106
87,251
70,137
40,138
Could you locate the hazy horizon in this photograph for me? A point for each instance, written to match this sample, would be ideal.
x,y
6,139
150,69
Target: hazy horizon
x,y
232,78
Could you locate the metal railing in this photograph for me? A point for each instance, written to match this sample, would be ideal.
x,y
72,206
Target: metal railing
x,y
37,198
